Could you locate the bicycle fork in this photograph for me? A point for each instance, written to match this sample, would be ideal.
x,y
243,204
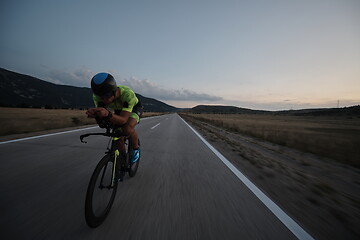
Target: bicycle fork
x,y
116,155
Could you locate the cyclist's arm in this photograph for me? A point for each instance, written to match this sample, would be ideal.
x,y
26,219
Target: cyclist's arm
x,y
120,119
99,110
129,101
116,119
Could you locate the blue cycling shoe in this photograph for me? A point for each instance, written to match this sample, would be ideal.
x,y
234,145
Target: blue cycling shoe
x,y
135,155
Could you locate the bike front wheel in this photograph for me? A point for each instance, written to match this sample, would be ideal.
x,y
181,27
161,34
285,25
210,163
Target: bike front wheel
x,y
101,192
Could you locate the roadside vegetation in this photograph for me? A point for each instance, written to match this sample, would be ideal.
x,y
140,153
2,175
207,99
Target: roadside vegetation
x,y
334,137
27,120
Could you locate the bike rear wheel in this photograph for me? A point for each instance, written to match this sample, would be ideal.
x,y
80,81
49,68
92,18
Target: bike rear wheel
x,y
100,194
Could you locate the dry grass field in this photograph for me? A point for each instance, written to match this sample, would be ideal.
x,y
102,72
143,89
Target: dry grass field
x,y
26,120
337,138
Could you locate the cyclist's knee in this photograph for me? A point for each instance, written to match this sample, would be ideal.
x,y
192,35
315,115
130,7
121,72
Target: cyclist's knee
x,y
128,130
129,127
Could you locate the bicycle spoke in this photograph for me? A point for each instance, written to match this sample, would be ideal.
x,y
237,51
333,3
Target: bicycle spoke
x,y
102,176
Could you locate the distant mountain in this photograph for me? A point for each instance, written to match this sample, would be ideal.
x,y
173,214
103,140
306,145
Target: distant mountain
x,y
346,111
19,90
224,110
153,105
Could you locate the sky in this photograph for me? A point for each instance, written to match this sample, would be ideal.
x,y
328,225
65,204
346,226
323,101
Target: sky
x,y
259,54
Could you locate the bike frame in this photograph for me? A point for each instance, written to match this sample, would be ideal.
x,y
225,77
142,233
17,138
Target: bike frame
x,y
113,151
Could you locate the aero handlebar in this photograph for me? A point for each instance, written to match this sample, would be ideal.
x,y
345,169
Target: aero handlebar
x,y
106,134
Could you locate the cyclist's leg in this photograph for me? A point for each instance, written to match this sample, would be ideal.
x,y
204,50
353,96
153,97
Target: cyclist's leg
x,y
129,129
121,145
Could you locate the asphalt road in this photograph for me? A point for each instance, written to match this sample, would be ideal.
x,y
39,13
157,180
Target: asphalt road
x,y
181,191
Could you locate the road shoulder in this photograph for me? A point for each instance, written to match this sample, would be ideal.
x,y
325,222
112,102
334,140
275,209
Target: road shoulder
x,y
306,186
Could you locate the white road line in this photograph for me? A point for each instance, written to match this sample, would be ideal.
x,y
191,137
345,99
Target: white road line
x,y
298,231
46,135
146,118
155,126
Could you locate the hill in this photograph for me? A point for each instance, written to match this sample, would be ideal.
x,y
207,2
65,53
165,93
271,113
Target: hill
x,y
19,90
224,110
346,111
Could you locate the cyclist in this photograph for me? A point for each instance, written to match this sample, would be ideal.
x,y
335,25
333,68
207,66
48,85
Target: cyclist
x,y
123,101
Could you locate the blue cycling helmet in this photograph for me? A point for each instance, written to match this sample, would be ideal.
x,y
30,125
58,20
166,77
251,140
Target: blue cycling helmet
x,y
103,85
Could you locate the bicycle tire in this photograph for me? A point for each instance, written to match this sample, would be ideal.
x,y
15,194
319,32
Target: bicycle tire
x,y
133,167
94,219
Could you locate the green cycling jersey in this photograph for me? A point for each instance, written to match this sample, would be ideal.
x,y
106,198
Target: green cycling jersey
x,y
125,102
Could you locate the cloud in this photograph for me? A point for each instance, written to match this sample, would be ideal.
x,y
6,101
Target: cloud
x,y
150,89
81,77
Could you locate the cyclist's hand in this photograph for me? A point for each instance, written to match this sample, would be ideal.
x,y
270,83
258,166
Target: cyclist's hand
x,y
101,112
91,112
97,112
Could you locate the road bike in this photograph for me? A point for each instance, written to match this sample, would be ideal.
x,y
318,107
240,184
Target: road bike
x,y
108,173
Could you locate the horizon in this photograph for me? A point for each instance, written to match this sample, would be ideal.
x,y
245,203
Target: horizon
x,y
275,55
210,104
